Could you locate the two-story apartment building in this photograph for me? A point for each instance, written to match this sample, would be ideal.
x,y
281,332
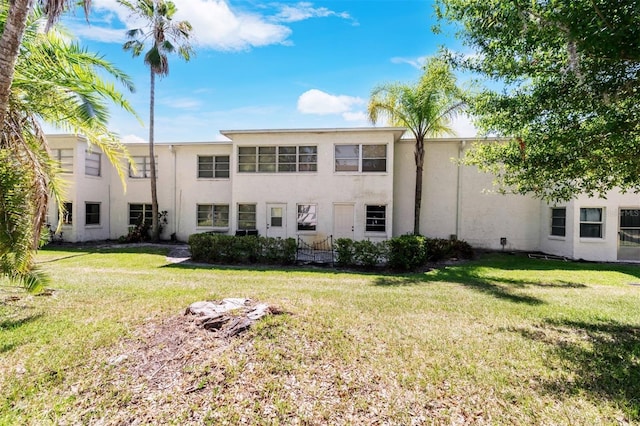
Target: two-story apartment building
x,y
311,183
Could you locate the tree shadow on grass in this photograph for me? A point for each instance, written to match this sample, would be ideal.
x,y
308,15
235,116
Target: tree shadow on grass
x,y
10,324
504,289
603,360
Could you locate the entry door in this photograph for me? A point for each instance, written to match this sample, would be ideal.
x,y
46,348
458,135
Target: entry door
x,y
343,221
277,220
629,235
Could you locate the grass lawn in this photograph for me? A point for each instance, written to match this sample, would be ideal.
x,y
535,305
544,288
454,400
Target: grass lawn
x,y
501,340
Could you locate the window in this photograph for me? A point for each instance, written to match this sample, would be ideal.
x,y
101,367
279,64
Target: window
x,y
140,212
92,163
213,215
67,216
376,219
591,225
92,214
143,167
558,221
64,157
307,217
246,216
277,159
360,158
213,167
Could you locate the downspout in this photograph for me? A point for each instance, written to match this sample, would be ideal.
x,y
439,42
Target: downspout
x,y
172,149
459,187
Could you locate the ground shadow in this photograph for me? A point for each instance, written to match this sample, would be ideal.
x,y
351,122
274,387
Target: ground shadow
x,y
603,358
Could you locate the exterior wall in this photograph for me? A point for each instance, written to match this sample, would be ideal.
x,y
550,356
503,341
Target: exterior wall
x,y
326,188
461,201
81,189
457,200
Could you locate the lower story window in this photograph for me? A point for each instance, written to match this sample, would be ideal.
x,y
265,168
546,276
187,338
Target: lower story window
x,y
591,224
376,219
67,215
139,213
213,215
246,216
558,221
92,214
307,217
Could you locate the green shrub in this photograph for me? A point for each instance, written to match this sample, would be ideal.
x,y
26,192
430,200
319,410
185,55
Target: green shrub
x,y
229,249
440,248
367,253
345,252
407,252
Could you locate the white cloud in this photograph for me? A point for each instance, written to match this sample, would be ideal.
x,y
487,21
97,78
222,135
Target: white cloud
x,y
181,103
216,25
414,62
305,10
132,139
463,126
315,101
355,116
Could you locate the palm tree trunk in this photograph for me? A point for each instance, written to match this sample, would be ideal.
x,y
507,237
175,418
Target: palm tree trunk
x,y
155,228
10,41
417,206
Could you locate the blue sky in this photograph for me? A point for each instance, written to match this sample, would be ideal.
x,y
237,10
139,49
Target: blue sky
x,y
269,65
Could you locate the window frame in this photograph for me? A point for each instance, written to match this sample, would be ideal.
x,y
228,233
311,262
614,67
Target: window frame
x,y
358,163
147,213
67,216
278,159
251,209
143,172
217,164
87,213
313,224
554,222
65,162
371,221
599,224
216,210
90,163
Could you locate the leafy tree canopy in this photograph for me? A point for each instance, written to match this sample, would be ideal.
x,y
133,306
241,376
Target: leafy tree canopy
x,y
569,101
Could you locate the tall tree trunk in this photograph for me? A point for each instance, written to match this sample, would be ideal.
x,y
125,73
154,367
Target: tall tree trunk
x,y
419,157
10,41
155,226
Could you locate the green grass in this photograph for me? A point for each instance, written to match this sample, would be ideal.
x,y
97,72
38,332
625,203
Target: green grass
x,y
501,340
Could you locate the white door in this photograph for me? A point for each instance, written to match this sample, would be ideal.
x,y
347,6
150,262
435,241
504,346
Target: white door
x,y
276,220
629,235
343,221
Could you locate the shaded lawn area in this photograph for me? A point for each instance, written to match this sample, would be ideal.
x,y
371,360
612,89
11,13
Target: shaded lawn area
x,y
501,340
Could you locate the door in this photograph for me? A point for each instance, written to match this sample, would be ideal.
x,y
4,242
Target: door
x,y
629,234
343,221
276,220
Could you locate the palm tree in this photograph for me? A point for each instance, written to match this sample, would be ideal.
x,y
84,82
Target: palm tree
x,y
164,37
57,82
14,26
426,109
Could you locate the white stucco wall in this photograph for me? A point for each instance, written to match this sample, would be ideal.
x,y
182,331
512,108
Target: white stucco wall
x,y
460,200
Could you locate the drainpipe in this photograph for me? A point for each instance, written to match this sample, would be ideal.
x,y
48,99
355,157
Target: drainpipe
x,y
459,186
172,149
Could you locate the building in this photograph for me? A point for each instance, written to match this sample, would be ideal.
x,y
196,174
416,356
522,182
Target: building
x,y
312,183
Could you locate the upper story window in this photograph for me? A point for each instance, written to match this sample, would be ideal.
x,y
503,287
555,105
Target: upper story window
x,y
558,221
64,157
277,159
360,158
591,224
143,166
210,166
92,163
